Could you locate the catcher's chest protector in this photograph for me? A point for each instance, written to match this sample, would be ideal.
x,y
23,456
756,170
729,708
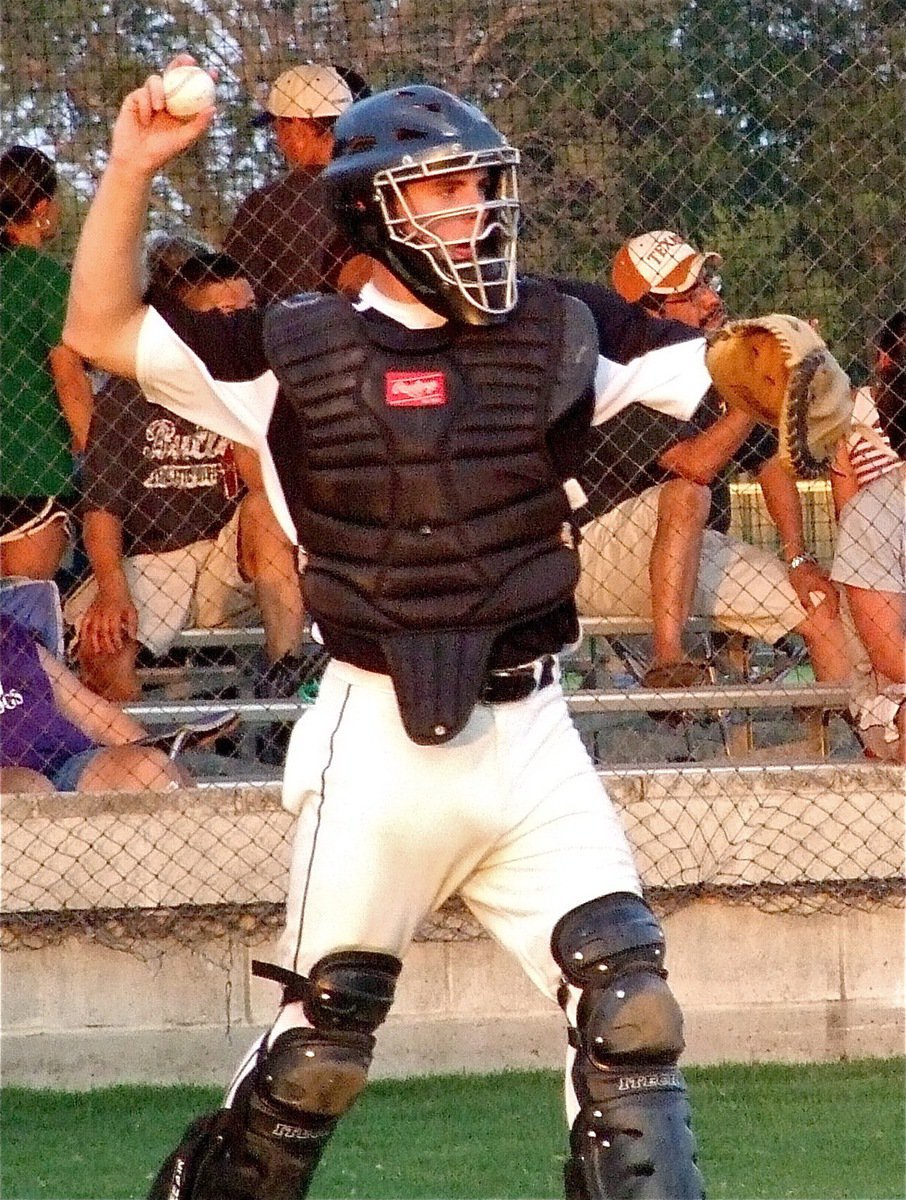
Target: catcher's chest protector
x,y
416,470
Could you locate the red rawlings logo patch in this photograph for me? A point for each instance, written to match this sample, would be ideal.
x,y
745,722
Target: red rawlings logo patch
x,y
415,389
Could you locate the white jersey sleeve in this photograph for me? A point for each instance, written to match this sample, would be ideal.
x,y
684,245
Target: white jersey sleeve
x,y
671,380
171,374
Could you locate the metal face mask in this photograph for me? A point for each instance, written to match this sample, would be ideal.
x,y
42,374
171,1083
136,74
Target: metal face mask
x,y
462,245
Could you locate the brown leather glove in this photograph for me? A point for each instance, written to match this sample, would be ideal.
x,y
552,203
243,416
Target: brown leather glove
x,y
779,370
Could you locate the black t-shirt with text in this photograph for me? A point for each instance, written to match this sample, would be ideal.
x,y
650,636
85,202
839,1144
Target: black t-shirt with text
x,y
169,481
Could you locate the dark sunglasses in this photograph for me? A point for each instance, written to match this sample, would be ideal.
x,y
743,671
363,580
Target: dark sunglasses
x,y
709,280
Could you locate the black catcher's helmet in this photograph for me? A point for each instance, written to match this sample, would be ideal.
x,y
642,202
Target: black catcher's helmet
x,y
411,133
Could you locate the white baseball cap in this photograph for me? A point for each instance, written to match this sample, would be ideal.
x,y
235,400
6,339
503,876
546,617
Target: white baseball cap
x,y
307,92
660,263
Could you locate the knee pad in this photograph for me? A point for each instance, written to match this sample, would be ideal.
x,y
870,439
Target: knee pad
x,y
267,1145
632,1139
348,989
320,1071
310,1073
613,950
351,989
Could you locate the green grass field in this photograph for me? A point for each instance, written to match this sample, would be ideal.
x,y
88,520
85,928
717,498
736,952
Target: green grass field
x,y
813,1132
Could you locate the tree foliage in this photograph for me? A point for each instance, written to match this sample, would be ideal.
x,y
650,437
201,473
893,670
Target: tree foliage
x,y
772,130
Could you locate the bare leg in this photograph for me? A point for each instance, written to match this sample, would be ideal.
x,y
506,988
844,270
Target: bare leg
x,y
877,746
880,620
268,558
131,769
22,779
683,509
901,729
37,555
111,674
825,638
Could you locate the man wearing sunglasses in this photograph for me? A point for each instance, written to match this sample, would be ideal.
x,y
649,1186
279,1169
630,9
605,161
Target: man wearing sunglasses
x,y
670,279
655,541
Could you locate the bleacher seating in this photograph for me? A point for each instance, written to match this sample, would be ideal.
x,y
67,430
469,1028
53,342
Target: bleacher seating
x,y
755,684
598,678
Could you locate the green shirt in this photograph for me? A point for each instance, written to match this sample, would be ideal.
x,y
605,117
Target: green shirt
x,y
35,440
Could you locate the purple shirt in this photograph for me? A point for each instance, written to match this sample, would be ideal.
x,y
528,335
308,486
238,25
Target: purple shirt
x,y
33,732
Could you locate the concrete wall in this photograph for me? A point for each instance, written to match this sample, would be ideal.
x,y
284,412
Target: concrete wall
x,y
754,985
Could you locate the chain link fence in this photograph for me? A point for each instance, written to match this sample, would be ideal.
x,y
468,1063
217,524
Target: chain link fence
x,y
769,134
204,866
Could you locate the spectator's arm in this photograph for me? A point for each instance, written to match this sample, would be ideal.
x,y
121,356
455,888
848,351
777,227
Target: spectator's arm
x,y
843,477
248,464
701,457
112,616
74,392
781,497
97,718
103,536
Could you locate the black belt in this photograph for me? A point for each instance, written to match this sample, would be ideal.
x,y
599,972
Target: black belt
x,y
517,683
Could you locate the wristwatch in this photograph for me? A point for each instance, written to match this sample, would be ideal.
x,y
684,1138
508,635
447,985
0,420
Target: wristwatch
x,y
799,560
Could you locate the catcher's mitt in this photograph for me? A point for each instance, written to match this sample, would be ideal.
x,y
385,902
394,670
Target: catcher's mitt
x,y
778,370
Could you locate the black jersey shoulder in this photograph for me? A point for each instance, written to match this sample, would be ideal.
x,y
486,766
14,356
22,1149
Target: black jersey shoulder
x,y
625,331
230,345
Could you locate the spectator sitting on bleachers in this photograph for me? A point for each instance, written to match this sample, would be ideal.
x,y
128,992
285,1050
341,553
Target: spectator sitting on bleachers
x,y
869,486
649,546
171,539
57,736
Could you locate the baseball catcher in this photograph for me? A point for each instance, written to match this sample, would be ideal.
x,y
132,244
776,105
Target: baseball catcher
x,y
417,444
779,370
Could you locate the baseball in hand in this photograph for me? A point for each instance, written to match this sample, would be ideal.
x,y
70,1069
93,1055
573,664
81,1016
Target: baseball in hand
x,y
187,90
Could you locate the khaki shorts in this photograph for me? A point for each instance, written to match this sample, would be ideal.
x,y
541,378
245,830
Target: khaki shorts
x,y
740,586
871,538
197,586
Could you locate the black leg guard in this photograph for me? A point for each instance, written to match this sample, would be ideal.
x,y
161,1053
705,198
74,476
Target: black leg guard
x,y
218,1159
267,1145
633,1145
632,1139
201,1144
260,1148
